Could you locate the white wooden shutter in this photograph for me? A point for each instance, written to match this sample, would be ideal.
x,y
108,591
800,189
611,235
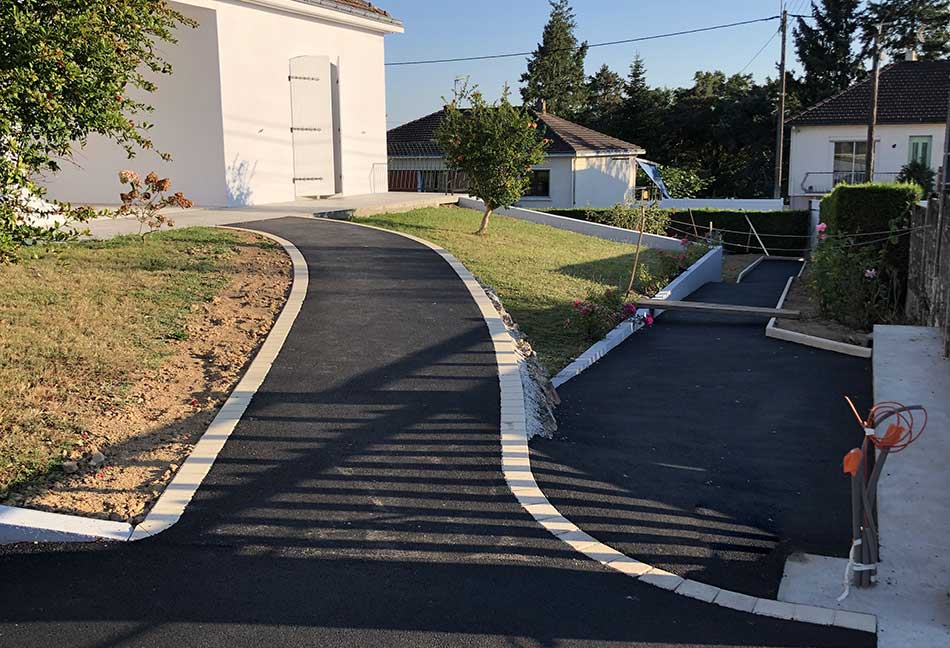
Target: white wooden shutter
x,y
312,125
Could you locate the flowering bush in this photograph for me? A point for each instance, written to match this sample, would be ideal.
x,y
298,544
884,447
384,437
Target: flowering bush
x,y
596,315
144,201
652,277
851,286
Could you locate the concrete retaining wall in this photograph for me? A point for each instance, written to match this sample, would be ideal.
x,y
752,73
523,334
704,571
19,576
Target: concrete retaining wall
x,y
606,232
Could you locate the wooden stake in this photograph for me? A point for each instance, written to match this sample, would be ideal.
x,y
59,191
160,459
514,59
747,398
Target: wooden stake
x,y
758,238
693,221
636,257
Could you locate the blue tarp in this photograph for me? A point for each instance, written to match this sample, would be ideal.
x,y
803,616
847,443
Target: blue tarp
x,y
653,172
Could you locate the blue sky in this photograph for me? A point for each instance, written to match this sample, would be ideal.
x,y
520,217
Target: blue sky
x,y
452,28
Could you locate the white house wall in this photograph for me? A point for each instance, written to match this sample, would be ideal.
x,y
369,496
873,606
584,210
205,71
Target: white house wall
x,y
561,186
224,114
812,150
188,125
603,181
256,46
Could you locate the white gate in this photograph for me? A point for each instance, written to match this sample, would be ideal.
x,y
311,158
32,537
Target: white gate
x,y
312,125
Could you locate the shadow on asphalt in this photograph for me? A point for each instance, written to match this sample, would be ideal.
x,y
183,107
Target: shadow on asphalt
x,y
360,502
705,448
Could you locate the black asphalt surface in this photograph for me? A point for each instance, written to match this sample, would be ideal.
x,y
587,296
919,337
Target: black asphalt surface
x,y
360,503
703,447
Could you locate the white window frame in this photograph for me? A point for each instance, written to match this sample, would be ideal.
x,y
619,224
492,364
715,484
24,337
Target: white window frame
x,y
929,139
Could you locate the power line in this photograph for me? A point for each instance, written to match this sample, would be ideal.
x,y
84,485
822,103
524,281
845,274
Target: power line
x,y
761,49
591,45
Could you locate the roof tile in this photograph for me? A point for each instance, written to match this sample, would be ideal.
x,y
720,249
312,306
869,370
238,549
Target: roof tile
x,y
909,92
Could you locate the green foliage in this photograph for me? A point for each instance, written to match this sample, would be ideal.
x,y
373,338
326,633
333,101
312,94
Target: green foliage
x,y
66,69
594,316
906,21
852,285
869,207
918,173
682,182
824,43
655,220
874,216
494,145
604,99
555,72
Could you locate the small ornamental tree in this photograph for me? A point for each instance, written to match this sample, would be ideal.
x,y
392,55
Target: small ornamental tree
x,y
68,69
494,145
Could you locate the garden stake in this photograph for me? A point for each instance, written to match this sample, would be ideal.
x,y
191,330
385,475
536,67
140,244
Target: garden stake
x,y
636,256
693,221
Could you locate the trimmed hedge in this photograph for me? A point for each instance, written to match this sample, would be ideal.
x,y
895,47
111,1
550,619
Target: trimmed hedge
x,y
869,207
784,232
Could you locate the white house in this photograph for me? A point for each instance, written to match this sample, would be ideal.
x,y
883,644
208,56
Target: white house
x,y
583,168
269,100
829,140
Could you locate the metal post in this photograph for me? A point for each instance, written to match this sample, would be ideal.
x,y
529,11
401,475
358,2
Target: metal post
x,y
780,131
872,117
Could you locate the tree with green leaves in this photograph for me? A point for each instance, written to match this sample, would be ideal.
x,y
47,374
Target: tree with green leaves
x,y
604,98
642,111
922,25
555,74
67,68
825,47
493,144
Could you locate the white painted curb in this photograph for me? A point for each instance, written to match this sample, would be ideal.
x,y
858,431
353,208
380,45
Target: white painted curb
x,y
773,331
516,467
176,496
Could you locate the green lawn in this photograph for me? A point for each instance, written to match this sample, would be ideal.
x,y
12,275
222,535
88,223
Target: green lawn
x,y
538,271
81,320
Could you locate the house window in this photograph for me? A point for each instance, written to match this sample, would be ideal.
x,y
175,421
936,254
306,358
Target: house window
x,y
849,162
540,186
919,149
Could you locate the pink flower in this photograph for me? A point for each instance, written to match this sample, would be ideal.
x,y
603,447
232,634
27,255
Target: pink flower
x,y
870,273
648,318
823,236
684,241
821,227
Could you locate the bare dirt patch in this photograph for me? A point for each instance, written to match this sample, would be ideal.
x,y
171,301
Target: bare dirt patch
x,y
812,321
129,450
733,264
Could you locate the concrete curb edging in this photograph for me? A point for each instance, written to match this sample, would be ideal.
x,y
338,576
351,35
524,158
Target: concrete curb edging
x,y
773,331
33,525
516,467
707,268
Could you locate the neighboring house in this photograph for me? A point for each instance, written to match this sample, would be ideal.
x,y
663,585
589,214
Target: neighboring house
x,y
583,168
829,140
269,100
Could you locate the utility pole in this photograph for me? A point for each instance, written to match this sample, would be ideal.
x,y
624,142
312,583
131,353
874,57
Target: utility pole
x,y
780,135
872,117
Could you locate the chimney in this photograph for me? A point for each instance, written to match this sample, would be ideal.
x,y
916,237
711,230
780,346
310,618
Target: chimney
x,y
910,54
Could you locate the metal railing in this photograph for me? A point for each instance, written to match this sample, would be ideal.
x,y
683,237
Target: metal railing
x,y
822,182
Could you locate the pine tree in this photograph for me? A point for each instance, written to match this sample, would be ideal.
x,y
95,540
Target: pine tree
x,y
641,114
825,49
604,98
556,68
905,23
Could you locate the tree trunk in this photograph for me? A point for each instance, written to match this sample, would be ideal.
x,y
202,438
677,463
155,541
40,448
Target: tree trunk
x,y
484,225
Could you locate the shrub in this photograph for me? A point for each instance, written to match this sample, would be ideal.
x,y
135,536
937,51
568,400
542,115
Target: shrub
x,y
655,221
598,313
850,285
144,201
918,173
881,212
682,182
784,232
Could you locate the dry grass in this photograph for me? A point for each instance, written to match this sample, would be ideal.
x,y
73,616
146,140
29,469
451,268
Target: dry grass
x,y
81,321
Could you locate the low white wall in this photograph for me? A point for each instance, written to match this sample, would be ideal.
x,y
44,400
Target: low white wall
x,y
606,232
751,204
707,269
